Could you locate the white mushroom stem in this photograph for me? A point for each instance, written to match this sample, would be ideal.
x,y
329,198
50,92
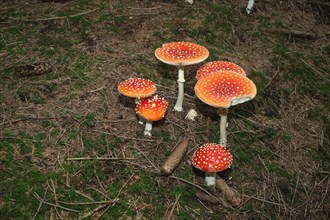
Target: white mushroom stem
x,y
223,126
141,120
210,178
249,6
148,128
179,101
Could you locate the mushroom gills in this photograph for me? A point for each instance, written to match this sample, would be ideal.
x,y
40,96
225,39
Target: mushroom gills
x,y
239,100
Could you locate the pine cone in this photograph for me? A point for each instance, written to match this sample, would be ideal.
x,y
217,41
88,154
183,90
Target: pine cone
x,y
33,69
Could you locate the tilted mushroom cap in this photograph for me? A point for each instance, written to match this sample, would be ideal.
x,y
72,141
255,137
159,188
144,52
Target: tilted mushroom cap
x,y
216,66
225,88
152,108
212,157
137,88
181,53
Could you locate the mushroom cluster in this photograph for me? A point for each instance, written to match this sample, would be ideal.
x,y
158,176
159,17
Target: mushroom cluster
x,y
220,84
148,106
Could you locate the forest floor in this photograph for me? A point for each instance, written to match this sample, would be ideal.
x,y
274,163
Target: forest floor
x,y
71,146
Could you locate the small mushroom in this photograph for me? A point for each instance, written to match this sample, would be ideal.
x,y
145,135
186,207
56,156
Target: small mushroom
x,y
224,89
216,66
192,114
137,88
211,158
181,54
152,109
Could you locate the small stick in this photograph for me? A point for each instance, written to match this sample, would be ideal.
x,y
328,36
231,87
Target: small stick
x,y
98,158
28,118
173,207
206,198
202,189
121,136
54,18
41,202
266,201
270,81
52,204
147,158
175,158
232,197
90,203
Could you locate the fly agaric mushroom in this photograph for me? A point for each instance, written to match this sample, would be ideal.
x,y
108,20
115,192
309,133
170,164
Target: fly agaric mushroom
x,y
137,88
181,54
222,90
211,158
216,66
152,109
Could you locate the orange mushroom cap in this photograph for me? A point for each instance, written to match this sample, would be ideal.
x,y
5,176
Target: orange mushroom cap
x,y
212,157
137,88
225,88
216,66
181,53
152,108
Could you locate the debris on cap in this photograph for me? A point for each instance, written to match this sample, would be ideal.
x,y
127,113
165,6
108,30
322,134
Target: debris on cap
x,y
152,108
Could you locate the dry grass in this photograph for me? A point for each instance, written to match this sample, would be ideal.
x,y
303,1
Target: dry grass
x,y
278,141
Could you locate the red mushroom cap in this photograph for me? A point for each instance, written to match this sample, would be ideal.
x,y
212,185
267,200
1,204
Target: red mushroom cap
x,y
152,108
181,53
216,66
137,88
225,88
212,157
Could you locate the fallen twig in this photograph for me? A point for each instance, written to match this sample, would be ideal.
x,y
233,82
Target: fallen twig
x,y
263,200
40,204
125,137
112,201
169,217
28,118
53,18
270,81
294,33
315,70
200,188
98,158
147,158
54,205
